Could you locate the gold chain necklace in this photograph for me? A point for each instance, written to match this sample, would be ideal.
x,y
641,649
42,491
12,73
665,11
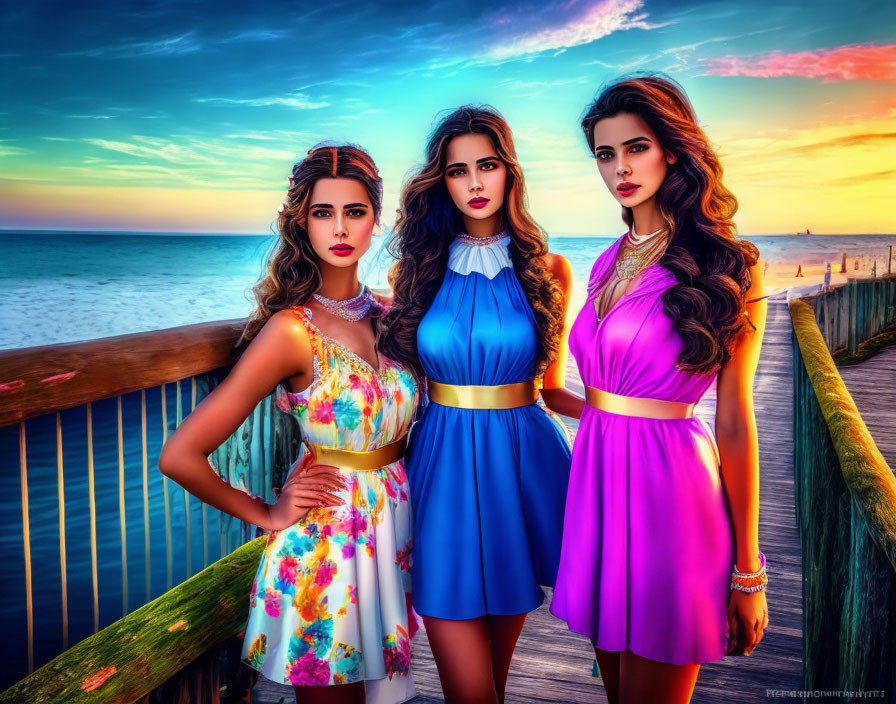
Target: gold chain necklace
x,y
641,252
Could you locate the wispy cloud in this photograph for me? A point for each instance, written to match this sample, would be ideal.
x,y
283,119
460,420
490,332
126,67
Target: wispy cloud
x,y
853,140
716,40
181,44
256,35
597,20
11,150
855,62
284,137
187,151
682,57
300,101
236,161
519,84
150,148
862,179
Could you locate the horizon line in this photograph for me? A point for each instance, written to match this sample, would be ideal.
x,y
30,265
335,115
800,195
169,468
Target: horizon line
x,y
178,233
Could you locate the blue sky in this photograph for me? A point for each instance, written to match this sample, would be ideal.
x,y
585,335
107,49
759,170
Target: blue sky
x,y
178,104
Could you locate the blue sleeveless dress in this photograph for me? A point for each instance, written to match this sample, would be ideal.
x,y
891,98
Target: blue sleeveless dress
x,y
488,487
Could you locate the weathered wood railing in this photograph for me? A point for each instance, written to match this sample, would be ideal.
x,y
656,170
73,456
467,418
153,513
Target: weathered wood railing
x,y
855,311
846,513
78,391
131,657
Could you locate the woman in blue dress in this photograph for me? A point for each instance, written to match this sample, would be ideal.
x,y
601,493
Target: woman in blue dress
x,y
479,314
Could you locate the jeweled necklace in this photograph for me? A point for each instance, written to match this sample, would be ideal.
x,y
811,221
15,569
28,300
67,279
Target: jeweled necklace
x,y
480,241
642,251
351,309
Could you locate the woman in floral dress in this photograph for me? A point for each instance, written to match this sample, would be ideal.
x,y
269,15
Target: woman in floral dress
x,y
330,601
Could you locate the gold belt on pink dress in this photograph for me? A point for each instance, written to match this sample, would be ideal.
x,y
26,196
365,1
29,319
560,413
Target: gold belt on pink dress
x,y
501,396
357,461
638,406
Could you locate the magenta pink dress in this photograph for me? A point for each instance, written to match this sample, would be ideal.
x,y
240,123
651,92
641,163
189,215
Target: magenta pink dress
x,y
647,544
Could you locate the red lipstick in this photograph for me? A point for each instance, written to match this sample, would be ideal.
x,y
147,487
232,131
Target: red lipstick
x,y
342,249
627,188
478,202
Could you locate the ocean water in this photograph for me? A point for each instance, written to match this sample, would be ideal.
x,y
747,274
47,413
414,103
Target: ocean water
x,y
64,287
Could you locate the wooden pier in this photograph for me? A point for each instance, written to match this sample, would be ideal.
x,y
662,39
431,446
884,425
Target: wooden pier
x,y
551,664
837,465
872,385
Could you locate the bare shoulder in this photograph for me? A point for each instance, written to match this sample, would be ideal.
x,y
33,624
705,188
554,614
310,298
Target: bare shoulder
x,y
283,333
560,268
287,323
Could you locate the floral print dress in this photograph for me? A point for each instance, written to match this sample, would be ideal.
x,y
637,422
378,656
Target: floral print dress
x,y
330,603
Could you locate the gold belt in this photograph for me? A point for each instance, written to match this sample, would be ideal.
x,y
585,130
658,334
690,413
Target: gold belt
x,y
360,461
495,397
637,406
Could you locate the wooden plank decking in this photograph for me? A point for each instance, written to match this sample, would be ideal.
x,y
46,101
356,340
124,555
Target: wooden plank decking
x,y
551,664
872,385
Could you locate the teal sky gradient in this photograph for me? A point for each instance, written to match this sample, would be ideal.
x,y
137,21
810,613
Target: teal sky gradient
x,y
183,96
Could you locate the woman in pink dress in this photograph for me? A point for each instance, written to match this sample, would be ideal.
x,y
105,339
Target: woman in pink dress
x,y
660,561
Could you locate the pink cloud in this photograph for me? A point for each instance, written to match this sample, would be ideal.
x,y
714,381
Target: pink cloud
x,y
857,62
595,20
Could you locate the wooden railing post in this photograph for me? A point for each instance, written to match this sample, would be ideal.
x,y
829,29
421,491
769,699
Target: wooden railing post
x,y
853,340
827,320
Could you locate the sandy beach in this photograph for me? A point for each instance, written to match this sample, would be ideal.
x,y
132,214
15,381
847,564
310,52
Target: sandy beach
x,y
781,275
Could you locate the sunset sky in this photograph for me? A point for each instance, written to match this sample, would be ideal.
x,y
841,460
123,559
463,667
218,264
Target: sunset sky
x,y
179,116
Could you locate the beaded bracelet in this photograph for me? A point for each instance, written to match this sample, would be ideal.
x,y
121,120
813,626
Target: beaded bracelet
x,y
748,590
750,582
761,570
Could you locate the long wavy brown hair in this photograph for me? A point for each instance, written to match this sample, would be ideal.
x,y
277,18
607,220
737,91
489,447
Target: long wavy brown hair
x,y
293,272
710,264
427,222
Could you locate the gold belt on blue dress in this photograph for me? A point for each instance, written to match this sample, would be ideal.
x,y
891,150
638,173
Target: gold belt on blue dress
x,y
501,396
638,406
360,461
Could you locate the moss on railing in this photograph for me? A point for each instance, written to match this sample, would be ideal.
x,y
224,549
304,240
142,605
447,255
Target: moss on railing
x,y
846,513
867,349
865,471
131,657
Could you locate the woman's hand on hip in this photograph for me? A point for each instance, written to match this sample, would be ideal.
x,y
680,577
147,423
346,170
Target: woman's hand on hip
x,y
309,486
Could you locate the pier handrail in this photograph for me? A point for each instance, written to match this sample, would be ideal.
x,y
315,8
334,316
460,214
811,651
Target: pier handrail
x,y
865,471
50,378
129,658
846,514
848,314
38,382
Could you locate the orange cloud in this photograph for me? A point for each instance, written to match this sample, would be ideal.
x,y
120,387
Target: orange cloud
x,y
853,140
857,62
